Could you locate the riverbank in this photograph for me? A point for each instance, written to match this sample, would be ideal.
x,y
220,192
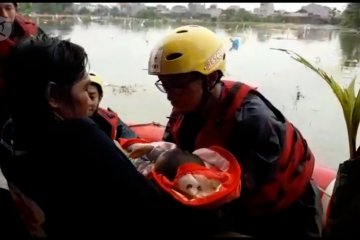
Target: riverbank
x,y
57,18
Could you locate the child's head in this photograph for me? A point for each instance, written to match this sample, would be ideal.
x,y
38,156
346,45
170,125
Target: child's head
x,y
95,92
169,161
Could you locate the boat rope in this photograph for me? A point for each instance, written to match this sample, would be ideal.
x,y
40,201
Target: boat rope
x,y
323,191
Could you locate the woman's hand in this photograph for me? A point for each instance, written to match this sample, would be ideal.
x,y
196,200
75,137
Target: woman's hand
x,y
139,149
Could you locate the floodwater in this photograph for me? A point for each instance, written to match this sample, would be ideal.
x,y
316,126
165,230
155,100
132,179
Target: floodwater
x,y
119,53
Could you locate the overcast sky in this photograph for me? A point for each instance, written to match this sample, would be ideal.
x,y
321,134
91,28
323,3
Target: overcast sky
x,y
290,7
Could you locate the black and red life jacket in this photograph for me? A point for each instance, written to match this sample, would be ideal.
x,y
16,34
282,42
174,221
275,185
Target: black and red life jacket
x,y
295,163
28,28
111,120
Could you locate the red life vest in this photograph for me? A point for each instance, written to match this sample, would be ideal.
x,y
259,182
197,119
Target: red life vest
x,y
295,163
112,118
29,28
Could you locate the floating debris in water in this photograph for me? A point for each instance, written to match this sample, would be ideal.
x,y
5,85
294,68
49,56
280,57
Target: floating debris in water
x,y
351,62
299,96
125,89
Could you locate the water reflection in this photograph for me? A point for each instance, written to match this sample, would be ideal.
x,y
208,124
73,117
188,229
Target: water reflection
x,y
57,28
307,33
263,34
350,46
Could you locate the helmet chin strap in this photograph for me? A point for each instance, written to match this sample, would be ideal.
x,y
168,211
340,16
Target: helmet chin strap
x,y
206,92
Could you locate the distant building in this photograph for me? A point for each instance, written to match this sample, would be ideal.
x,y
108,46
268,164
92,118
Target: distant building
x,y
124,8
296,14
265,9
161,9
196,8
316,9
131,9
76,7
179,9
303,18
213,6
280,12
233,7
88,6
214,11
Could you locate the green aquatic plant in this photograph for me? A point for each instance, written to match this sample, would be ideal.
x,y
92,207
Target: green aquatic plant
x,y
349,102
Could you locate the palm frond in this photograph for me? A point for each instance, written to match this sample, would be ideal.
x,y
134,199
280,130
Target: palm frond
x,y
349,102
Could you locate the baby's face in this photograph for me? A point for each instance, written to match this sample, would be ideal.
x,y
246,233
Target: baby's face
x,y
197,186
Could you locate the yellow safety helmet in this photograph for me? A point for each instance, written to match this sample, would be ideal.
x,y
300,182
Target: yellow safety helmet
x,y
187,49
95,78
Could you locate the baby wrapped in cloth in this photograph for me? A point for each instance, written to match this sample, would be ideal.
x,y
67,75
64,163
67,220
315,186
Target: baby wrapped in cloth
x,y
205,178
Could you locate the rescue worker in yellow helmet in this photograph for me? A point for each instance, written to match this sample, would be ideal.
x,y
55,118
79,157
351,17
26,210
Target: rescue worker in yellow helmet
x,y
278,197
107,119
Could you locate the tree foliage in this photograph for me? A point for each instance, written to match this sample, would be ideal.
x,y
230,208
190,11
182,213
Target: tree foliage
x,y
351,16
149,13
24,8
52,8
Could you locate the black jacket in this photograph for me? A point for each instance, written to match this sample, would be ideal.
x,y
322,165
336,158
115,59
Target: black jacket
x,y
11,225
343,221
83,183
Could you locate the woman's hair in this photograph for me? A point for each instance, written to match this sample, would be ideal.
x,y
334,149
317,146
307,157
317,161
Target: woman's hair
x,y
31,67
